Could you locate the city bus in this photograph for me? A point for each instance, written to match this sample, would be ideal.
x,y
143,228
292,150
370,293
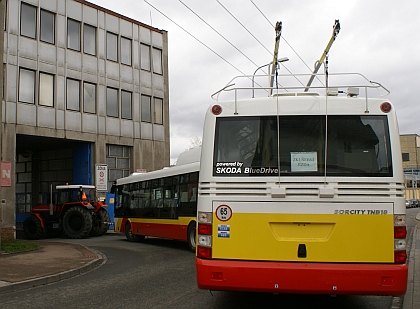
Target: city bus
x,y
302,191
161,203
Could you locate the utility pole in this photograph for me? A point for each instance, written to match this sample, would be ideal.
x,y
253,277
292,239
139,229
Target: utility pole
x,y
278,29
336,30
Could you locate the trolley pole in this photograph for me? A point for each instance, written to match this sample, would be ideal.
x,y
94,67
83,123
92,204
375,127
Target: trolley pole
x,y
336,30
278,29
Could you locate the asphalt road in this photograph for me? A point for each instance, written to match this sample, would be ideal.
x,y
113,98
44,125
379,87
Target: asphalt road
x,y
161,274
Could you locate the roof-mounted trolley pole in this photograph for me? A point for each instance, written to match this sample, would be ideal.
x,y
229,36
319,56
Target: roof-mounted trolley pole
x,y
336,30
276,51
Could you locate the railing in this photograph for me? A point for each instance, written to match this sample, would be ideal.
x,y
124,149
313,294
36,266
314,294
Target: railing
x,y
293,83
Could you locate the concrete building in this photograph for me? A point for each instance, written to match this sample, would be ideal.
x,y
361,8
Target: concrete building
x,y
82,86
410,148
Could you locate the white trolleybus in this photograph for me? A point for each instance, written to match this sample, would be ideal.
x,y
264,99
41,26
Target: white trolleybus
x,y
301,189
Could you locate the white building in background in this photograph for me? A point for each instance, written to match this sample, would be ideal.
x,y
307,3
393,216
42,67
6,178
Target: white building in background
x,y
82,86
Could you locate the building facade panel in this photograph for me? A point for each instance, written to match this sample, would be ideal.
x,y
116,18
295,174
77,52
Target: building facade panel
x,y
46,117
74,10
50,5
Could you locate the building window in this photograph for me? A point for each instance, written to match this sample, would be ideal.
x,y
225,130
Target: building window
x,y
125,104
125,51
405,157
26,86
118,161
158,112
89,98
47,27
89,39
145,57
46,89
157,61
73,34
73,94
111,46
112,102
145,109
28,20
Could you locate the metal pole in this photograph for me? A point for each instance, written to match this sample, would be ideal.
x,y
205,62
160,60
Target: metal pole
x,y
336,30
276,51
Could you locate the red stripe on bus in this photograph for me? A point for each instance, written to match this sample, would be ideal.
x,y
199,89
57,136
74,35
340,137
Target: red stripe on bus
x,y
172,231
305,278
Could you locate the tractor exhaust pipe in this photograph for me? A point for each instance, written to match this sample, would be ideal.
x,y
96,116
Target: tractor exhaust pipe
x,y
51,201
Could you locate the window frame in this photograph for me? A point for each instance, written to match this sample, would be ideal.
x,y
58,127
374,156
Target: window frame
x,y
41,27
20,99
40,93
143,118
87,26
108,34
126,105
71,92
69,41
145,64
156,102
157,63
108,103
24,31
85,110
129,49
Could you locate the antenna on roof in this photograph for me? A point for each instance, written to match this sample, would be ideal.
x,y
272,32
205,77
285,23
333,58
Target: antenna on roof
x,y
336,30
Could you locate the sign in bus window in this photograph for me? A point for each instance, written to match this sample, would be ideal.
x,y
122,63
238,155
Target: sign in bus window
x,y
303,161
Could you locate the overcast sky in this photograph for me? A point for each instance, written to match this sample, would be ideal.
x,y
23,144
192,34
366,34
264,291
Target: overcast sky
x,y
378,38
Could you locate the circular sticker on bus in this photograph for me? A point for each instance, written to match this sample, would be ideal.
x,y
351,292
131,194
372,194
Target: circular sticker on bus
x,y
223,212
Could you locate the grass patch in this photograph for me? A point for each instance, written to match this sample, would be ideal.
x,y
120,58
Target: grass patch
x,y
15,245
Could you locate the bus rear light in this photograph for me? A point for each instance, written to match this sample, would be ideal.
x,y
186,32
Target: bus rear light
x,y
399,244
204,240
204,217
399,220
400,232
400,257
204,229
204,252
386,107
216,109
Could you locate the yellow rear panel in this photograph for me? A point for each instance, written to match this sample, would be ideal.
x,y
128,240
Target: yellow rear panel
x,y
364,234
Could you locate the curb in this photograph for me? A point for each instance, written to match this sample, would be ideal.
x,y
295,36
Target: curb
x,y
409,300
7,287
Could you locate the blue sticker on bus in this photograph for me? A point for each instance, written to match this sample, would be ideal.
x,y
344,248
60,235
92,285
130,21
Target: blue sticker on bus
x,y
223,234
223,227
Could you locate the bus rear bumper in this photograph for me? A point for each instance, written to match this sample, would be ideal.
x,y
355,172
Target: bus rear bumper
x,y
304,278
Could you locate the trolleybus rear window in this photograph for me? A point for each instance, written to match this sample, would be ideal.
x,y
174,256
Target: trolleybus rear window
x,y
249,146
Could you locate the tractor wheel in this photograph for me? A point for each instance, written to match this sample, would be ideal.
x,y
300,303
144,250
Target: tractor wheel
x,y
129,234
101,222
32,228
77,222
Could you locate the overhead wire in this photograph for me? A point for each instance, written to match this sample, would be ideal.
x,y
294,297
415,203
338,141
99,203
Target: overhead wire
x,y
195,38
271,54
284,39
218,33
227,10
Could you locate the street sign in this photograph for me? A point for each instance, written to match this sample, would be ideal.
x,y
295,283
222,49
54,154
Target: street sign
x,y
101,177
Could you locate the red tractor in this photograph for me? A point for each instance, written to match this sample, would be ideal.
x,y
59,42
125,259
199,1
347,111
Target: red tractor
x,y
76,214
